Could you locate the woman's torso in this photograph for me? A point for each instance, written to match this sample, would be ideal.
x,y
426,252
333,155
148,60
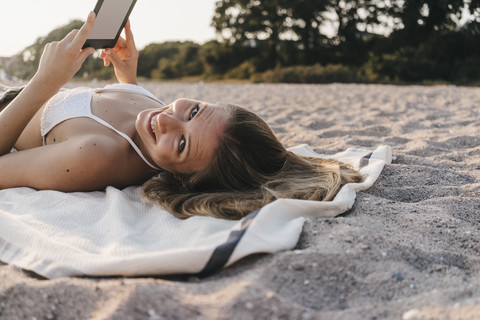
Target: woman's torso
x,y
115,105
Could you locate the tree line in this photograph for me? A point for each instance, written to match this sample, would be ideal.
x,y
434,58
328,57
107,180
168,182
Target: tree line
x,y
312,41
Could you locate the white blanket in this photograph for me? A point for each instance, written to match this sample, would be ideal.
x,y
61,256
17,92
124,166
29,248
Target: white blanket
x,y
114,232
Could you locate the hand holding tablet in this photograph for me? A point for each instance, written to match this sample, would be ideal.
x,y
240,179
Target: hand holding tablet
x,y
60,60
124,57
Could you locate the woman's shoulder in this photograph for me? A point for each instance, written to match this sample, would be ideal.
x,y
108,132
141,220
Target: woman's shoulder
x,y
103,155
112,159
97,147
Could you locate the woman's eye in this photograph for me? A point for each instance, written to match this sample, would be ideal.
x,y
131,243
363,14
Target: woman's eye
x,y
182,145
194,111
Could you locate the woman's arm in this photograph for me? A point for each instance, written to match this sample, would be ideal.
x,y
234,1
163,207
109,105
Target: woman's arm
x,y
58,64
124,57
82,163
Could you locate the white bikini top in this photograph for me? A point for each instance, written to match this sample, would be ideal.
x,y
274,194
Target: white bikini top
x,y
75,103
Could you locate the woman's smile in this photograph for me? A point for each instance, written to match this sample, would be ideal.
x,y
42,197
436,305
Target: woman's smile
x,y
151,124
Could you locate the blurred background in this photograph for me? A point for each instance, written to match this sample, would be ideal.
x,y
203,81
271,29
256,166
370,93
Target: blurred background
x,y
302,41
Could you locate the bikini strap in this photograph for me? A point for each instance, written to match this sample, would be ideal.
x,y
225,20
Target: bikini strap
x,y
138,90
134,146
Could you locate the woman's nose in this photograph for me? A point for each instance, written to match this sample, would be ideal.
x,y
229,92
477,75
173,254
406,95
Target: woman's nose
x,y
167,122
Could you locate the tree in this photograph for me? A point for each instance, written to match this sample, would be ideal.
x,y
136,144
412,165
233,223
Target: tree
x,y
168,60
218,57
243,21
307,16
149,57
474,8
282,22
419,19
356,21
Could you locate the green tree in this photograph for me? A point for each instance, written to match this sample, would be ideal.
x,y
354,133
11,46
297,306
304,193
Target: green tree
x,y
428,43
305,19
243,21
474,8
419,19
356,22
217,58
169,60
149,57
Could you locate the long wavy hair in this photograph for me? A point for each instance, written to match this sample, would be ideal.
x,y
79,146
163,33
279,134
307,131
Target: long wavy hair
x,y
250,169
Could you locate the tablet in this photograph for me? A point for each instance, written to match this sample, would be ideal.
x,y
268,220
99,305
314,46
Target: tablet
x,y
112,15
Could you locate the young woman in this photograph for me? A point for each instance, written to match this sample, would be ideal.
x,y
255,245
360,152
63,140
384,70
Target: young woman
x,y
205,159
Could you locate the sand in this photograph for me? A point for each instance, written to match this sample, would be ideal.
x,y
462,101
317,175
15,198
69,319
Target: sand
x,y
409,248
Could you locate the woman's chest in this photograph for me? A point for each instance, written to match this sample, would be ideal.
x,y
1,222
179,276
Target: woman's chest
x,y
107,113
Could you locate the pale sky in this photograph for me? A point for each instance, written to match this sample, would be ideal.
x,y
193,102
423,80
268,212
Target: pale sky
x,y
23,21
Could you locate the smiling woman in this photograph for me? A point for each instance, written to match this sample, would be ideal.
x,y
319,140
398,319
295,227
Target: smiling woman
x,y
205,159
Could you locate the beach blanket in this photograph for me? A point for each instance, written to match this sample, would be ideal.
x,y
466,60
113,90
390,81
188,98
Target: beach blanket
x,y
116,233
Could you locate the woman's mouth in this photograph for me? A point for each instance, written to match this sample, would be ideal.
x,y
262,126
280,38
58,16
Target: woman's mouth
x,y
152,122
151,125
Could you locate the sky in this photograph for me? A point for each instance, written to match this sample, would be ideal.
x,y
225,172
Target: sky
x,y
23,21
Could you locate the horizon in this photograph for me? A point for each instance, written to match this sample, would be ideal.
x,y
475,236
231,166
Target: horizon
x,y
187,20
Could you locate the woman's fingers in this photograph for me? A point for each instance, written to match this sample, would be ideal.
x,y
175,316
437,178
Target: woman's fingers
x,y
62,59
82,35
121,43
113,57
129,35
84,55
71,35
106,61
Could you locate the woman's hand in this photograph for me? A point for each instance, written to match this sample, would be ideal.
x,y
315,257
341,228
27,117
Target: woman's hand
x,y
62,59
58,64
124,57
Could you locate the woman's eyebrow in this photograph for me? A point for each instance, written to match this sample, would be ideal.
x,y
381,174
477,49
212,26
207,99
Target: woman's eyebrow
x,y
189,137
201,111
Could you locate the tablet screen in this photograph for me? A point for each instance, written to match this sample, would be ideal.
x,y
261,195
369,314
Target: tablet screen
x,y
110,19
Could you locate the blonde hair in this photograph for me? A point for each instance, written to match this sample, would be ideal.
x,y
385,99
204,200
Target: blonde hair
x,y
251,169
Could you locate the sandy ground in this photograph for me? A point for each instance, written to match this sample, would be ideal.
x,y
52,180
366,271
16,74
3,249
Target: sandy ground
x,y
409,249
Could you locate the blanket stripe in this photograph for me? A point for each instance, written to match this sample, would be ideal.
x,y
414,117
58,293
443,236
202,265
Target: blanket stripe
x,y
223,252
364,161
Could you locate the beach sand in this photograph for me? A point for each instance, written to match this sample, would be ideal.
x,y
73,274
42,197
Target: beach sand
x,y
408,249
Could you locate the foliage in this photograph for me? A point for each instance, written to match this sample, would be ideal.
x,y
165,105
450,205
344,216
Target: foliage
x,y
311,41
244,71
312,74
170,60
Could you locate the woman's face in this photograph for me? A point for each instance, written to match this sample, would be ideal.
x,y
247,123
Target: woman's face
x,y
183,136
